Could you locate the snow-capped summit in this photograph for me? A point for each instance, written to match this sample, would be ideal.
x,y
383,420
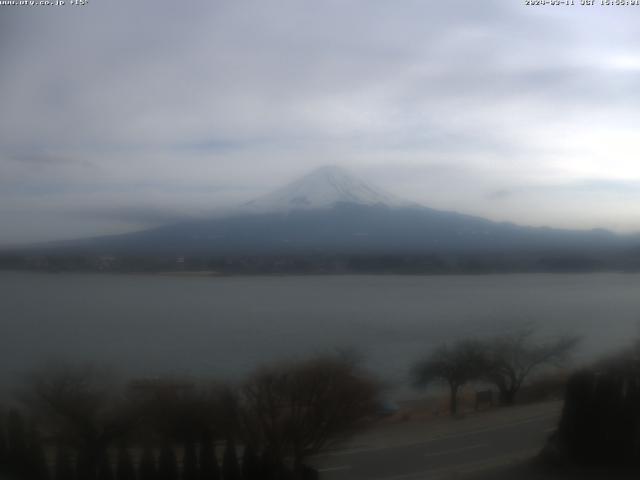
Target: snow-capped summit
x,y
323,188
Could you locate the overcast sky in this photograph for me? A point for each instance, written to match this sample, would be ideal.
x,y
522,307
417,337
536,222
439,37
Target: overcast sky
x,y
119,115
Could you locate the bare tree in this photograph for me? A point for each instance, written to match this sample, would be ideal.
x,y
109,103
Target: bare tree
x,y
230,465
209,468
4,447
81,408
511,358
296,410
455,365
181,410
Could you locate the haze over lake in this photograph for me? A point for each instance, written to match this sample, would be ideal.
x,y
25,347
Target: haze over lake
x,y
223,327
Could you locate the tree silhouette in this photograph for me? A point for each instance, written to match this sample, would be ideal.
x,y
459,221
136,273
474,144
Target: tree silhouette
x,y
147,467
178,409
511,358
124,467
601,414
251,468
271,466
4,448
209,468
63,468
298,409
454,365
81,406
36,462
105,469
167,463
87,462
190,462
18,455
230,467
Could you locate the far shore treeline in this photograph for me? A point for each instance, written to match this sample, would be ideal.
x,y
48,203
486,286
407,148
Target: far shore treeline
x,y
562,261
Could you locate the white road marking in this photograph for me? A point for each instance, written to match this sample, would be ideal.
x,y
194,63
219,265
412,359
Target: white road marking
x,y
456,450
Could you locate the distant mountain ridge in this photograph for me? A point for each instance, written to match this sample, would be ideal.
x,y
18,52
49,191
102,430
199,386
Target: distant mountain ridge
x,y
332,214
331,211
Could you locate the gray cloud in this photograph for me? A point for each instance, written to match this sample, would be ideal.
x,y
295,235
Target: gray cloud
x,y
135,215
440,102
499,194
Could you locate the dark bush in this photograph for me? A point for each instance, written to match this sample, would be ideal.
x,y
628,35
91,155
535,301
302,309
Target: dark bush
x,y
36,466
124,466
105,469
209,469
167,464
147,469
251,464
230,467
17,442
600,423
63,467
190,462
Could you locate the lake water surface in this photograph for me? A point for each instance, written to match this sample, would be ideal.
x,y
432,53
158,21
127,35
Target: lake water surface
x,y
224,327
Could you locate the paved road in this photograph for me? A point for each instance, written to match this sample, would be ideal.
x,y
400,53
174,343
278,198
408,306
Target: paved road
x,y
434,450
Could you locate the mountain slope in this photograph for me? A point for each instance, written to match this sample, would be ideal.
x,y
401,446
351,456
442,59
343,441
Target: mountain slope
x,y
330,211
348,228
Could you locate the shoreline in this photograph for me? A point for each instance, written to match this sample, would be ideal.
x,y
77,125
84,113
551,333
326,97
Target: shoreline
x,y
219,274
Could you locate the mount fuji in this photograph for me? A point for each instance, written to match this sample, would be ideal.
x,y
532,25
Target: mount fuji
x,y
330,211
323,188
